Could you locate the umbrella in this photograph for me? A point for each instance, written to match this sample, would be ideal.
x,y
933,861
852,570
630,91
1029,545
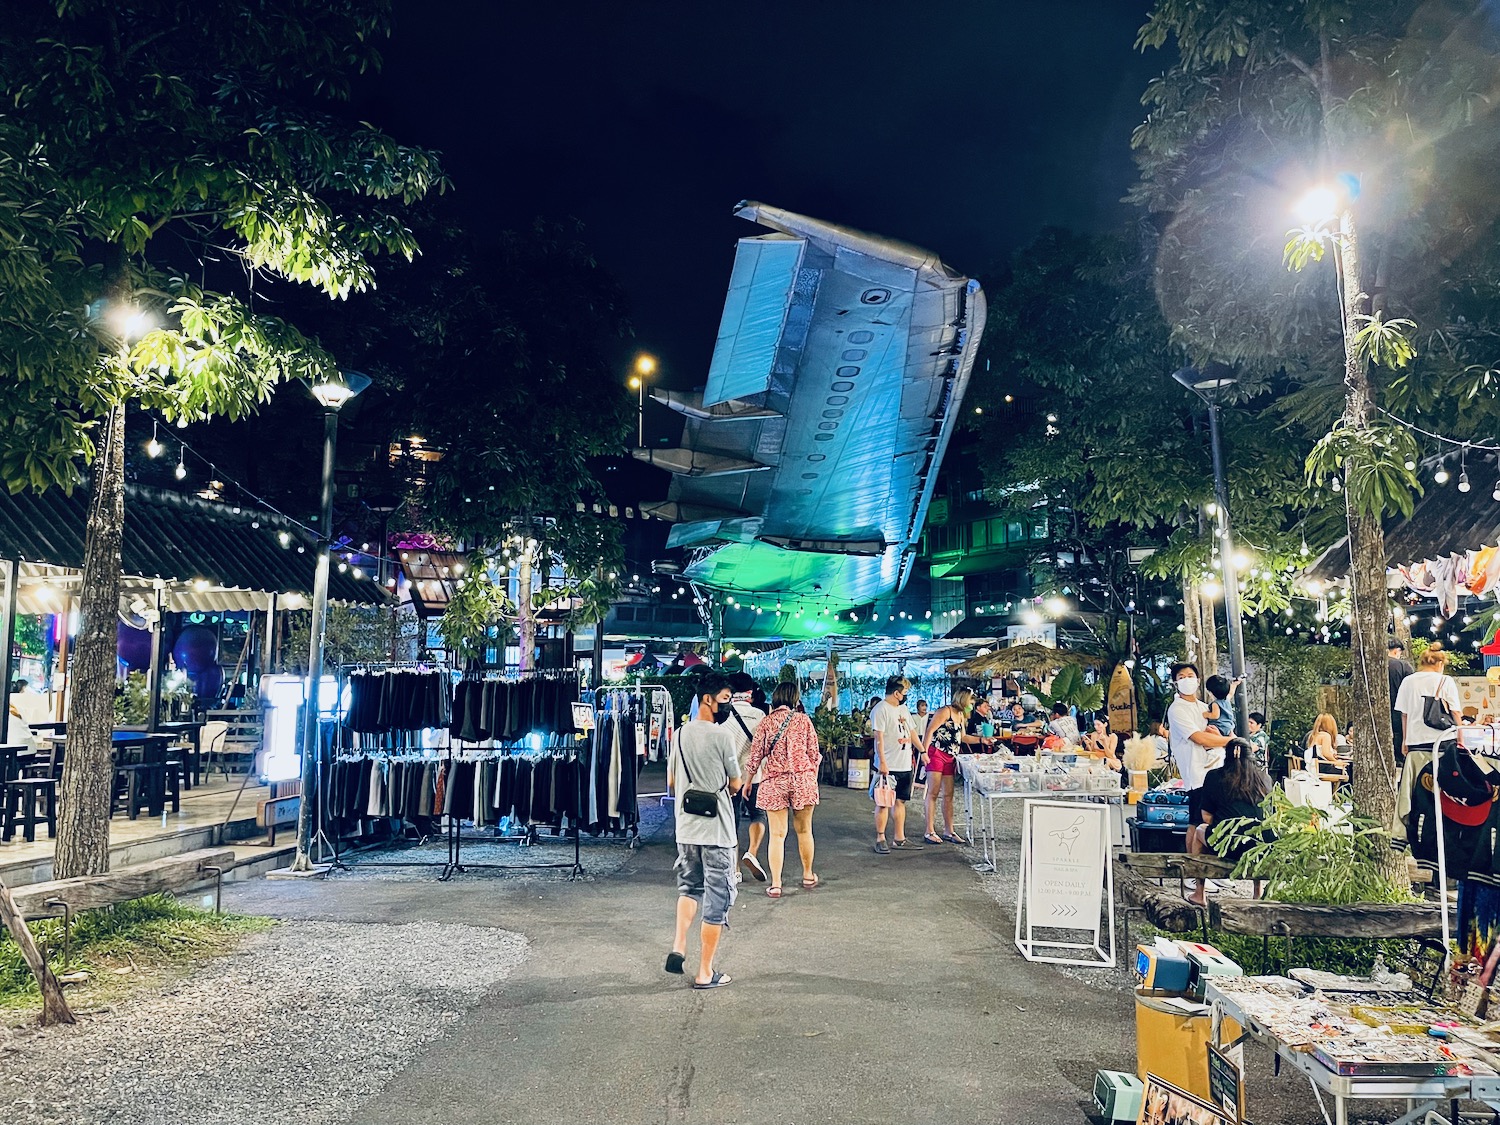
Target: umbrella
x,y
1036,661
692,659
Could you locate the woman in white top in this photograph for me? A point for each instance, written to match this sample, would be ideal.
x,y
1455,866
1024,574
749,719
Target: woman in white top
x,y
1430,679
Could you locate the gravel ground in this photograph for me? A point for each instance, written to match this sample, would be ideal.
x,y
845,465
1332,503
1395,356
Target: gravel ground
x,y
601,857
301,1024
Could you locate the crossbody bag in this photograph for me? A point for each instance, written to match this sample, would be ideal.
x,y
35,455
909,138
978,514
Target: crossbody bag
x,y
698,802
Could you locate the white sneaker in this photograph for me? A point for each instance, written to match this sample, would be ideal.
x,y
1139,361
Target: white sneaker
x,y
738,878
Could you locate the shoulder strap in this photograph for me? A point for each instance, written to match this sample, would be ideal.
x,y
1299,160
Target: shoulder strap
x,y
682,758
735,711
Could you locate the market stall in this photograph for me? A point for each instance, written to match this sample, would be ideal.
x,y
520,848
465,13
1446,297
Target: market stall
x,y
992,778
1361,1040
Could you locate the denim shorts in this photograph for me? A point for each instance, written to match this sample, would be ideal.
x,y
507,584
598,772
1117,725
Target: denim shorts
x,y
706,873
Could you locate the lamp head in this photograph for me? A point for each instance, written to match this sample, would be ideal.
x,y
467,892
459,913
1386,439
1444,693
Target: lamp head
x,y
645,364
1209,384
332,392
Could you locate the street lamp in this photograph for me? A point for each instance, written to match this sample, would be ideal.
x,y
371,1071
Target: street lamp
x,y
645,365
332,393
1212,386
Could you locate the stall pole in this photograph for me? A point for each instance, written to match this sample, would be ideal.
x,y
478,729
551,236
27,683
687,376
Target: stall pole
x,y
268,642
153,676
60,712
8,633
312,742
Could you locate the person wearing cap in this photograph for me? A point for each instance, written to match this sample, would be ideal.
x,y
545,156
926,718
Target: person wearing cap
x,y
1398,668
744,717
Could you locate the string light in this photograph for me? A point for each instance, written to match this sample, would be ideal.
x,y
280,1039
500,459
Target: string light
x,y
181,470
154,447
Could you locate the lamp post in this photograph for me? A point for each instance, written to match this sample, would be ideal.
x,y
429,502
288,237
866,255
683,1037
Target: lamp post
x,y
644,366
1211,387
331,395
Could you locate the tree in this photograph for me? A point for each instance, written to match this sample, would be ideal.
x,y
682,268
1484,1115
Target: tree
x,y
1383,103
148,142
526,334
1113,447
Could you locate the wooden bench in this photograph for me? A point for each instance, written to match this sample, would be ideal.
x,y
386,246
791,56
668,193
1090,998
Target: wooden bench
x,y
159,876
92,892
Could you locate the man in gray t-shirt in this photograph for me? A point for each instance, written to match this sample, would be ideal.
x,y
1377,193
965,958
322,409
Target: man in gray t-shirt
x,y
704,756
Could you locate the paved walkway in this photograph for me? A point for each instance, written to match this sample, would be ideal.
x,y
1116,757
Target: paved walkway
x,y
892,993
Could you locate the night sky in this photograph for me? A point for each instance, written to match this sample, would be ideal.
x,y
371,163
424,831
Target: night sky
x,y
961,127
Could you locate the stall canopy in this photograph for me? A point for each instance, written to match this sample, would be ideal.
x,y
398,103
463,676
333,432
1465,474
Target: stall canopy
x,y
1034,660
1447,547
809,459
209,556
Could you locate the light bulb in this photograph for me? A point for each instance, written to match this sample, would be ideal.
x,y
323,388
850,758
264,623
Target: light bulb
x,y
153,448
1496,494
1463,481
180,471
1441,476
1410,465
1336,484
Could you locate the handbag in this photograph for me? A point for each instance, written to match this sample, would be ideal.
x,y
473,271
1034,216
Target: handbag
x,y
883,791
1435,712
698,802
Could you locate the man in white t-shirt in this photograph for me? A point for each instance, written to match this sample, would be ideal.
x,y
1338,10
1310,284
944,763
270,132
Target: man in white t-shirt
x,y
703,758
1430,679
893,760
744,717
1196,747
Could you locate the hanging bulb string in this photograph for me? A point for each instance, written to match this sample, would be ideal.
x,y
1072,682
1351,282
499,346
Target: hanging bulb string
x,y
1462,443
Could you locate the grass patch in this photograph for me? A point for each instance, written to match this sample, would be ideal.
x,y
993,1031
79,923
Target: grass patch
x,y
155,932
1350,956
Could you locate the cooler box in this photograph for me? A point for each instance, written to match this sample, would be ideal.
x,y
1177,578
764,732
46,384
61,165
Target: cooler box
x,y
1163,806
1117,1096
859,773
1173,1045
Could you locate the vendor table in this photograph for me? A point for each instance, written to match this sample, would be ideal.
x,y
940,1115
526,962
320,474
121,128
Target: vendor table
x,y
980,798
1421,1095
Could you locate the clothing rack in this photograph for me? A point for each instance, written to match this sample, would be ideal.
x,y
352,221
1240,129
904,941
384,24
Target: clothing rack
x,y
329,849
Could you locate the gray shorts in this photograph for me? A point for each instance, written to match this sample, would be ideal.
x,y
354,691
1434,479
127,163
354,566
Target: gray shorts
x,y
706,873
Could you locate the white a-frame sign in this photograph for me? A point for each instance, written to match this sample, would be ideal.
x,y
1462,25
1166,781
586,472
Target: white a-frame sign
x,y
1065,870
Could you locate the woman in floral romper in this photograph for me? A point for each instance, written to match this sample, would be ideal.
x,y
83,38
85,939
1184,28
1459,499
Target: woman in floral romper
x,y
785,749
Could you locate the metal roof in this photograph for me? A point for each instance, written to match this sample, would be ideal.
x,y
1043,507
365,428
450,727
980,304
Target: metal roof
x,y
808,462
211,551
1444,522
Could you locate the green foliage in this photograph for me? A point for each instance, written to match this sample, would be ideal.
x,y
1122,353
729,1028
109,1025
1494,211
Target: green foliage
x,y
155,930
1070,687
1350,956
837,731
1304,857
138,137
1459,663
527,332
1370,461
477,609
354,635
1386,343
1295,671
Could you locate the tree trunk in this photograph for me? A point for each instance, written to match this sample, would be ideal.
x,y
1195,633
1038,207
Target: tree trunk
x,y
1208,636
54,1007
1192,622
1401,628
88,774
525,611
1370,693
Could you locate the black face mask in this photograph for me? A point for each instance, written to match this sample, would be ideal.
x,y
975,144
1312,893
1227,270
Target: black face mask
x,y
722,714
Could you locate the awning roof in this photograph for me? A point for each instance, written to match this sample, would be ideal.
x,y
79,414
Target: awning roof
x,y
1445,522
213,555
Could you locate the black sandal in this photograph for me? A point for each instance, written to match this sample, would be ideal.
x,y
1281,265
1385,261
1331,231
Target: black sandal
x,y
674,962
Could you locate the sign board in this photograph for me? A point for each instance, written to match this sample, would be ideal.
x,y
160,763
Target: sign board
x,y
1031,635
583,717
1066,884
1225,1087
